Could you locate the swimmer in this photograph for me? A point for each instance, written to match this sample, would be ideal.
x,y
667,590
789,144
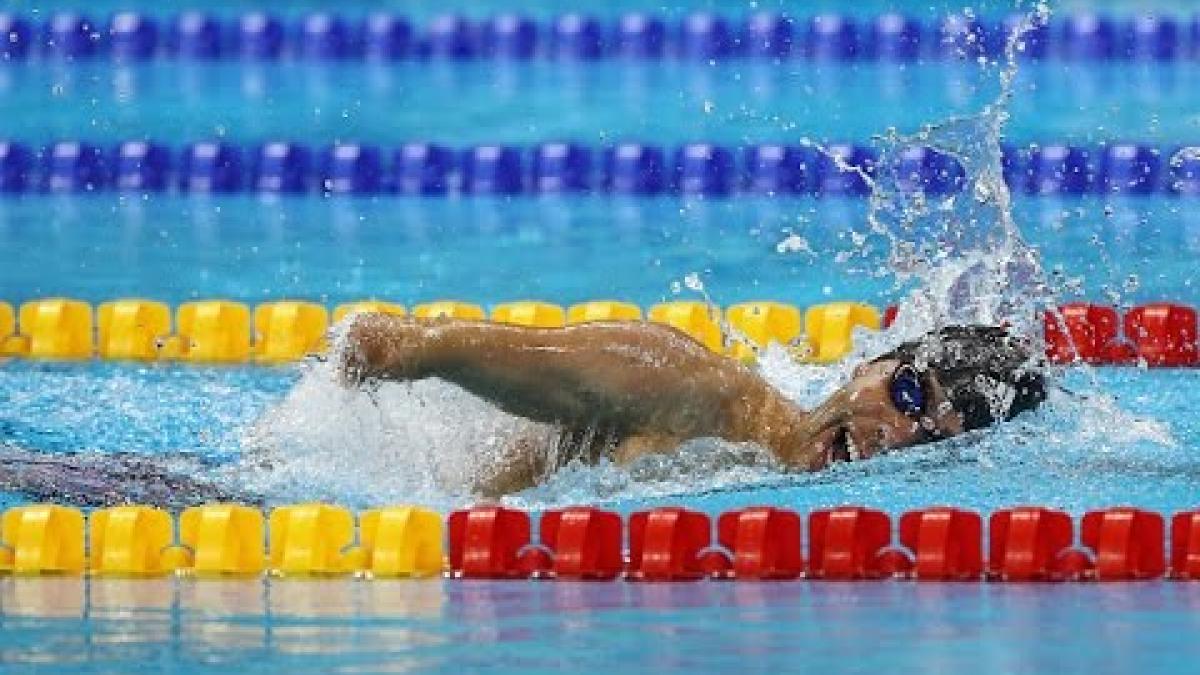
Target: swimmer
x,y
624,390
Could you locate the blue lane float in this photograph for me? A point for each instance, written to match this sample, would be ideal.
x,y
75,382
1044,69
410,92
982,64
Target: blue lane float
x,y
1087,36
351,168
832,37
1055,170
633,168
280,167
141,167
325,36
768,35
705,36
210,167
1152,38
1128,168
577,36
492,170
510,36
774,169
894,37
836,174
16,35
195,36
16,165
423,169
73,167
132,37
450,36
704,169
69,36
386,37
625,168
259,35
562,167
640,36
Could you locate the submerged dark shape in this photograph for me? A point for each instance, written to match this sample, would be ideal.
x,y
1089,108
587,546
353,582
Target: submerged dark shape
x,y
107,479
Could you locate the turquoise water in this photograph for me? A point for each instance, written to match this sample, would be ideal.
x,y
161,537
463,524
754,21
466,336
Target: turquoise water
x,y
1076,454
174,248
546,628
482,102
1114,436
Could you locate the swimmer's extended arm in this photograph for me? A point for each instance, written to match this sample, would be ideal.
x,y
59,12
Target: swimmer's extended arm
x,y
640,378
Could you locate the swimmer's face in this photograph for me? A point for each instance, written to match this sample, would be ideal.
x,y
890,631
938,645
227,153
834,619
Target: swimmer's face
x,y
862,420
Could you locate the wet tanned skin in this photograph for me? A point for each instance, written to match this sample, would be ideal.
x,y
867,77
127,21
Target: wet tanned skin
x,y
651,385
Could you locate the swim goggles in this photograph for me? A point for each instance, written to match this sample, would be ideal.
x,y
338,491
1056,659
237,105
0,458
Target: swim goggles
x,y
910,390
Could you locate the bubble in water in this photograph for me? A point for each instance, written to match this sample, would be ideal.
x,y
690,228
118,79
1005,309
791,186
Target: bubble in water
x,y
794,243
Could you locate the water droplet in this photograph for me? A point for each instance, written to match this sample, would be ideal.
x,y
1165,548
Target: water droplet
x,y
794,244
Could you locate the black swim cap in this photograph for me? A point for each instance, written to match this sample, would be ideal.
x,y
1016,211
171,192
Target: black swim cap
x,y
987,373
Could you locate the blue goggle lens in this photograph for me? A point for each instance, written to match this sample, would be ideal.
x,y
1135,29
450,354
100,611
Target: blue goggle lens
x,y
908,392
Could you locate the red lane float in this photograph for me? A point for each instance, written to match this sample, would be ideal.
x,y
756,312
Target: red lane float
x,y
847,542
765,542
1026,543
585,543
1164,334
889,315
1161,334
1085,332
665,544
1185,545
947,543
1127,543
485,542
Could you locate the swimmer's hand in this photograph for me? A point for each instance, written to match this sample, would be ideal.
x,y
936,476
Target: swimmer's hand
x,y
379,346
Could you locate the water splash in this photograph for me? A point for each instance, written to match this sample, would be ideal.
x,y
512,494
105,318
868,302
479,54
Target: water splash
x,y
959,256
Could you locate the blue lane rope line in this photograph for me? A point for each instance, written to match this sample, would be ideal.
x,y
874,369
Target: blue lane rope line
x,y
627,168
673,543
703,36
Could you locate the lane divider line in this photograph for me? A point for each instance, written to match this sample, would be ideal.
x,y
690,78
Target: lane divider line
x,y
759,543
1161,334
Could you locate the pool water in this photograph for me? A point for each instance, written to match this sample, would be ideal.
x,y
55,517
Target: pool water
x,y
1128,441
102,626
1109,436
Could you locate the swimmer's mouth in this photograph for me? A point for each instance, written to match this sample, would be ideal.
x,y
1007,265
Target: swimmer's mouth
x,y
842,447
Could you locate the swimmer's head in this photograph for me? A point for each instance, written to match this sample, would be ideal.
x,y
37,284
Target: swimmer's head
x,y
947,382
986,374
